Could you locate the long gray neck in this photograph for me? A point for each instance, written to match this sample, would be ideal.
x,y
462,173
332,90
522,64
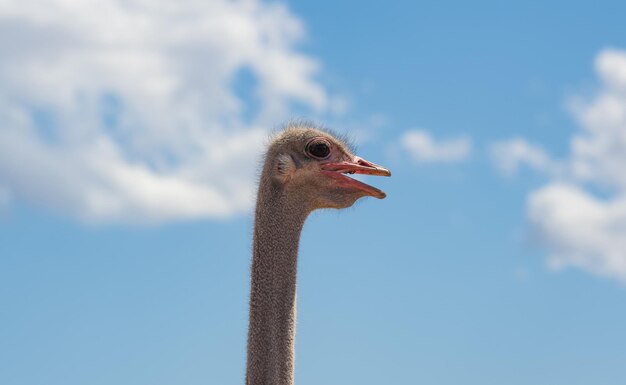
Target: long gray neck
x,y
272,328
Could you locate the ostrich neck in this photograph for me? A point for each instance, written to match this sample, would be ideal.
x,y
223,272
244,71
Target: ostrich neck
x,y
272,328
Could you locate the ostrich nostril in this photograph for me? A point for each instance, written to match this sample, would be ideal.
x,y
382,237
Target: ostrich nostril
x,y
363,162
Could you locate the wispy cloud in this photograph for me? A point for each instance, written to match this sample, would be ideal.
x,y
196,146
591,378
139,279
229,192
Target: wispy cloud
x,y
579,226
509,155
423,148
146,111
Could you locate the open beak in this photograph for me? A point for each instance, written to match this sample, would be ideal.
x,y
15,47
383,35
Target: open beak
x,y
356,166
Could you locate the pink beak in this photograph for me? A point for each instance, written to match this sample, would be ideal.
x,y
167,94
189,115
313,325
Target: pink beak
x,y
356,166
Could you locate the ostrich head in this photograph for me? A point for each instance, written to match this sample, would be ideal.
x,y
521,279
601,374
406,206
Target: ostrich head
x,y
310,165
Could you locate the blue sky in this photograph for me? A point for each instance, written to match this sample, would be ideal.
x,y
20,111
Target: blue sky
x,y
128,158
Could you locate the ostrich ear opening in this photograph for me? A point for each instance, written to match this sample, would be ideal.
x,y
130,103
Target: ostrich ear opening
x,y
285,167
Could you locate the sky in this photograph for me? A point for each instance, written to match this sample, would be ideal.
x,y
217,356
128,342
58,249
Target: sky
x,y
130,139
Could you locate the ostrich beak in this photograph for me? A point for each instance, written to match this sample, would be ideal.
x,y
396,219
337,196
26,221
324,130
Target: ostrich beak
x,y
356,166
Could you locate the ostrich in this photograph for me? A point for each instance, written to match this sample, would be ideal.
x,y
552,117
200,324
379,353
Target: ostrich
x,y
303,171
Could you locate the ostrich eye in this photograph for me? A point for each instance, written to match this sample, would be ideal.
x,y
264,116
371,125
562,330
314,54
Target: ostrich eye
x,y
319,148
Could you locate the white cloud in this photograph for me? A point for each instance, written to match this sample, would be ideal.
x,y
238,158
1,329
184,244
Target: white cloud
x,y
580,229
580,215
145,111
509,155
422,147
611,66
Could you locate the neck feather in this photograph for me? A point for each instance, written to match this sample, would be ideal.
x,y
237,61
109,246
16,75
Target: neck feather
x,y
272,327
